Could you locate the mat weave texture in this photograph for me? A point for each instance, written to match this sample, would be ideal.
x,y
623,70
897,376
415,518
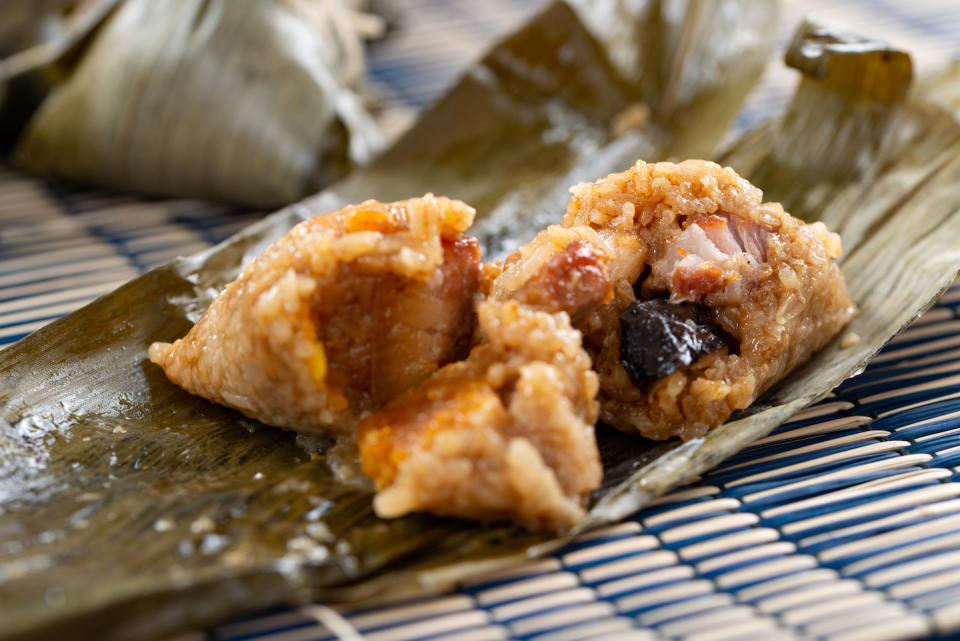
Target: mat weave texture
x,y
843,524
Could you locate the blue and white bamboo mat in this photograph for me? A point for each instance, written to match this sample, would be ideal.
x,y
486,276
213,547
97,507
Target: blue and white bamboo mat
x,y
843,525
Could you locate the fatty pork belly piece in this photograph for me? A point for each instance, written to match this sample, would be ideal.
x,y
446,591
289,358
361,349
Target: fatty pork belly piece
x,y
733,294
342,314
506,434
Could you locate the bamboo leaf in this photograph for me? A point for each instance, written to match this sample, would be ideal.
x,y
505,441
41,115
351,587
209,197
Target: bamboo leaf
x,y
186,513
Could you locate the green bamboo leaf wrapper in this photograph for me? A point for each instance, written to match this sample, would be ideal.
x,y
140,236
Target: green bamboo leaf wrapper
x,y
130,509
242,101
539,112
38,41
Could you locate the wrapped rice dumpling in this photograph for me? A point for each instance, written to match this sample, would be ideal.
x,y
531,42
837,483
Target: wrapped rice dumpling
x,y
34,34
244,101
336,318
734,294
506,434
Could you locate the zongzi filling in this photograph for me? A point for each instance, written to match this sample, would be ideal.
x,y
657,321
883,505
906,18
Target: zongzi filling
x,y
573,281
658,338
383,333
715,254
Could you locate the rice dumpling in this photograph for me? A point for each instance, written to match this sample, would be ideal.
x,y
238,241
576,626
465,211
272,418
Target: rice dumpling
x,y
244,101
506,434
671,293
747,292
336,318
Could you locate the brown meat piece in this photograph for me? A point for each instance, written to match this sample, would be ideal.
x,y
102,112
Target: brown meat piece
x,y
573,281
561,270
336,318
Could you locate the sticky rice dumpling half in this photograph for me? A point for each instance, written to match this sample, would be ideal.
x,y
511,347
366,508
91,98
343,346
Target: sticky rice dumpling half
x,y
722,295
339,316
506,434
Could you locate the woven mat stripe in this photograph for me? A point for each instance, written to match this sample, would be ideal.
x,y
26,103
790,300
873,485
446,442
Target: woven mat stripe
x,y
662,581
72,250
849,534
421,58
